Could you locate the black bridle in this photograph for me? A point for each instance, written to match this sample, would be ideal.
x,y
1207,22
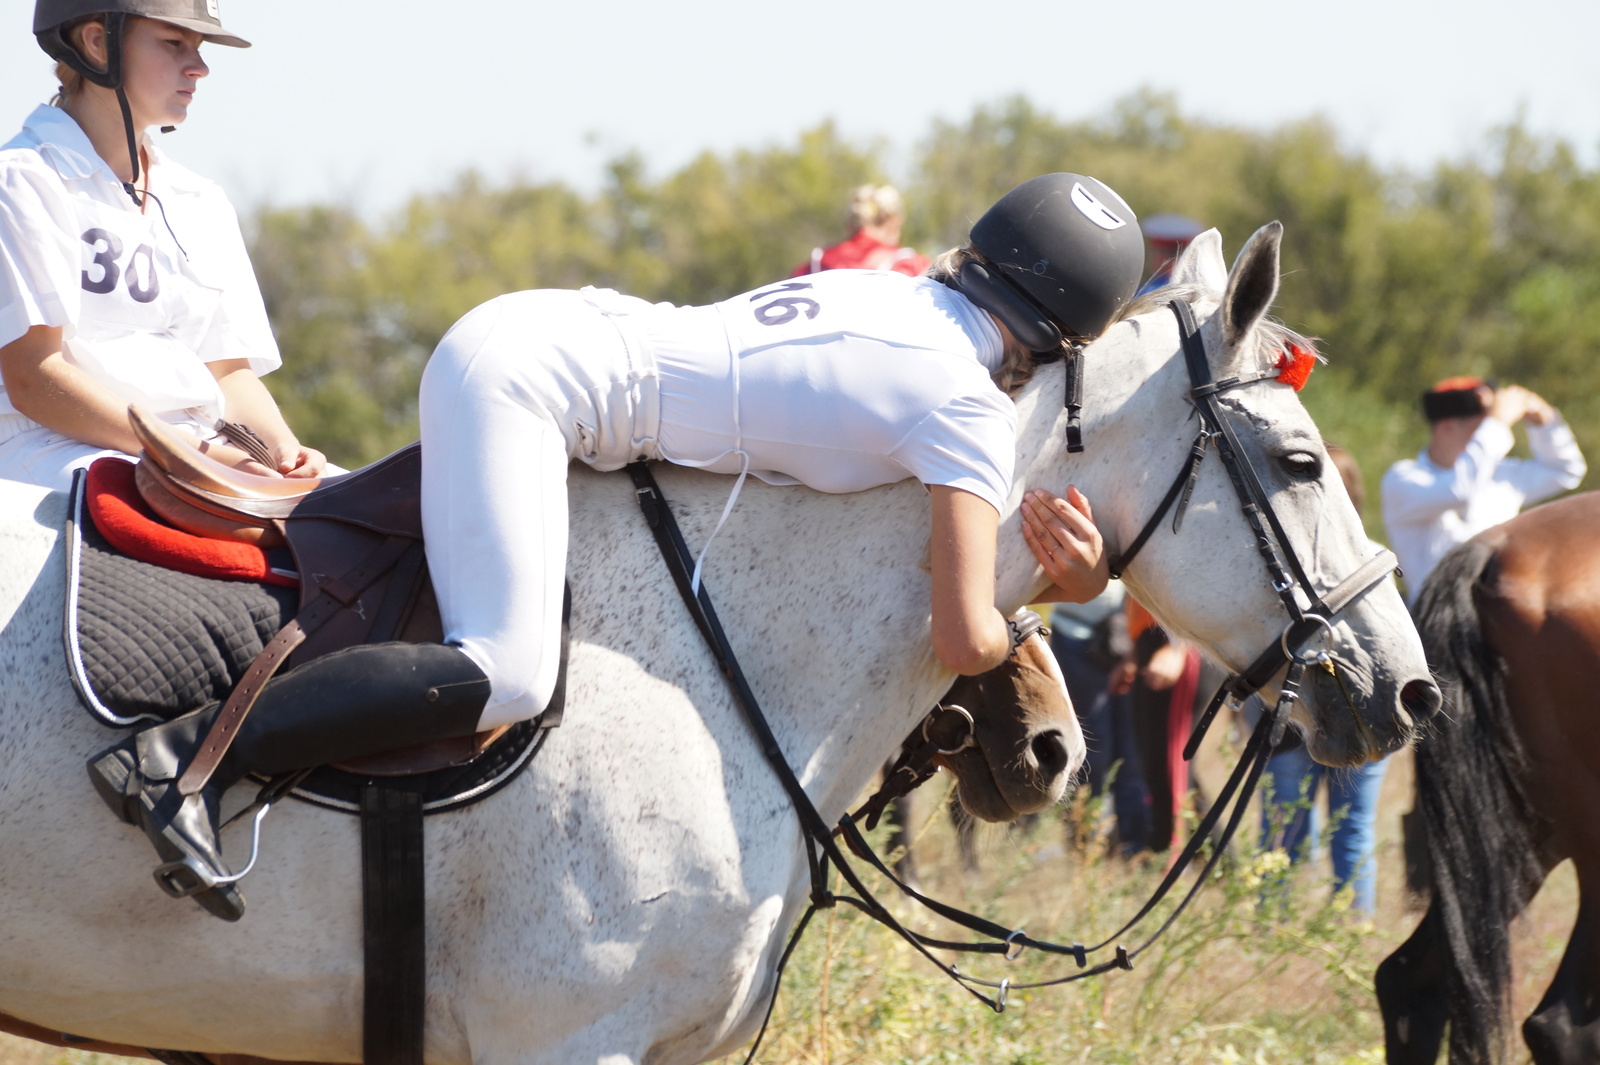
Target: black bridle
x,y
821,848
1287,576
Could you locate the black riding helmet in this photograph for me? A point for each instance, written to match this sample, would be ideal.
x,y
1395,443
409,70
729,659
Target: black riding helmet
x,y
53,18
1068,246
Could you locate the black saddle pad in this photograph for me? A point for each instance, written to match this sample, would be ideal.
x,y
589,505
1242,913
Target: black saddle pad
x,y
145,644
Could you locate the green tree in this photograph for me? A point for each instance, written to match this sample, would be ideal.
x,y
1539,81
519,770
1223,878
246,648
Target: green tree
x,y
1481,265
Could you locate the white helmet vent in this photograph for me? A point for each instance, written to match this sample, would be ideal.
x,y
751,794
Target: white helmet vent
x,y
1093,209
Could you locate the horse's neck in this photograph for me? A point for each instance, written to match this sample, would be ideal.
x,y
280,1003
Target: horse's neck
x,y
1131,424
832,629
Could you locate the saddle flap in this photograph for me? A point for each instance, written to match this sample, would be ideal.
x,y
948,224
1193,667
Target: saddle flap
x,y
385,496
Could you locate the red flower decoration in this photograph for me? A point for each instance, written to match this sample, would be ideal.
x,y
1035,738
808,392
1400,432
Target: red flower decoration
x,y
1295,365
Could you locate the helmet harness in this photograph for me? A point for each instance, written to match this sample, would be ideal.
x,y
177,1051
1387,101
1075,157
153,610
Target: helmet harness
x,y
55,43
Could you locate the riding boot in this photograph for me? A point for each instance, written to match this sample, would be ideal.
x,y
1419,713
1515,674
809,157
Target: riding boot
x,y
357,702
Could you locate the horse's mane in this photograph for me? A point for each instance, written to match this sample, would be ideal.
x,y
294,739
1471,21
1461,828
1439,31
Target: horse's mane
x,y
1269,338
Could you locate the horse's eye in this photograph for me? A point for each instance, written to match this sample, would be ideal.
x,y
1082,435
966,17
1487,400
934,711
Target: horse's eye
x,y
1302,465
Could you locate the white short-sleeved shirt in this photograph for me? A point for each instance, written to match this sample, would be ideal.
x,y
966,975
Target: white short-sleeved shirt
x,y
1429,509
144,300
841,381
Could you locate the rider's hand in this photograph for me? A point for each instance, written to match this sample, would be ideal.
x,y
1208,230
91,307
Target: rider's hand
x,y
297,460
1062,535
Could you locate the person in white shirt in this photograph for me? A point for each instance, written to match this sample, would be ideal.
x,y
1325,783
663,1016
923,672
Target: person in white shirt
x,y
1463,482
123,276
842,381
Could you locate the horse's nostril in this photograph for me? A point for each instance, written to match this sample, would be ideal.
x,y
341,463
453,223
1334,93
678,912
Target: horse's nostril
x,y
1421,699
1050,753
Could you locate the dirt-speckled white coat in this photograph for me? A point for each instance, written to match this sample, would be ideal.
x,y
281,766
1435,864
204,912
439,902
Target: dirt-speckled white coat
x,y
625,899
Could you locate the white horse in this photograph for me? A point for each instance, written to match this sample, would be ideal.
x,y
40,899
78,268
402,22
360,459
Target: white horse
x,y
625,900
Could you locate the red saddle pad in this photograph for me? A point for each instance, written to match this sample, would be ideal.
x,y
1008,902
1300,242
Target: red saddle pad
x,y
134,529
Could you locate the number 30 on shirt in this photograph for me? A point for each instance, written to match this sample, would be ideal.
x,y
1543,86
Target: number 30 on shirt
x,y
107,250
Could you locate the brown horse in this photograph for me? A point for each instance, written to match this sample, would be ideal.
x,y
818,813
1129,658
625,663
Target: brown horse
x,y
1027,743
1509,786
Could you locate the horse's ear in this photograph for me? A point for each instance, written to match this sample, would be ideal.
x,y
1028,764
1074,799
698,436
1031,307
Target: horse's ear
x,y
1252,284
1201,263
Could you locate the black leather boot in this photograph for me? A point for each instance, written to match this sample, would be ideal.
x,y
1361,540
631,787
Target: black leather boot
x,y
349,704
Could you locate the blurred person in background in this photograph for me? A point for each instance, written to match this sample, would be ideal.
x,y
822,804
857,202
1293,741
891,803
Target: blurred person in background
x,y
1090,642
1161,677
1167,235
1464,481
875,217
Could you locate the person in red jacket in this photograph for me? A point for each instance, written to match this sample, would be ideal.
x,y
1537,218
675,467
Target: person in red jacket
x,y
876,216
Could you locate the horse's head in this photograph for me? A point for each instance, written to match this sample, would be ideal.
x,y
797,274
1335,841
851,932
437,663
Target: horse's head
x,y
1026,744
1209,580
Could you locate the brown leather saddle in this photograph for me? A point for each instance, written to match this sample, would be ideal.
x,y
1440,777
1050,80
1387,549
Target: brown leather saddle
x,y
356,539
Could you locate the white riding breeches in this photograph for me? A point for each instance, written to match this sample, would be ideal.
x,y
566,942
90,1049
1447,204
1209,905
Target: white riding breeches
x,y
516,390
860,381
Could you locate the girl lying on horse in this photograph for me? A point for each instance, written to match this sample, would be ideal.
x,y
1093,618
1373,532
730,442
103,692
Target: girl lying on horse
x,y
840,381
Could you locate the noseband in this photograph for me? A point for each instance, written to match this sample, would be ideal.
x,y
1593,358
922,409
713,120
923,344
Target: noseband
x,y
1305,621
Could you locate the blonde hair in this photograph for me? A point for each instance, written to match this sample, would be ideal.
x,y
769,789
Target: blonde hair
x,y
1018,364
872,205
69,84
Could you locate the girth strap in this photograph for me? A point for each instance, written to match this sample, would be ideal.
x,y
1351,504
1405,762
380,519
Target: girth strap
x,y
394,933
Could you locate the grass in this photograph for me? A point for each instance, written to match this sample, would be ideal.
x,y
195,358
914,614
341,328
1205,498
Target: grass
x,y
1234,982
1241,978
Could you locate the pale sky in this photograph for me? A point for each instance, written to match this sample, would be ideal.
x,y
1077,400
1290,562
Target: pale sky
x,y
366,103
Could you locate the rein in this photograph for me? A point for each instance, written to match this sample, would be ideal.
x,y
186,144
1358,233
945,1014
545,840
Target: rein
x,y
821,848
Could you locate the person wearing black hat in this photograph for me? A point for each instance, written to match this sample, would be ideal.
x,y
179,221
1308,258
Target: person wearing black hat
x,y
841,381
1463,482
123,276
